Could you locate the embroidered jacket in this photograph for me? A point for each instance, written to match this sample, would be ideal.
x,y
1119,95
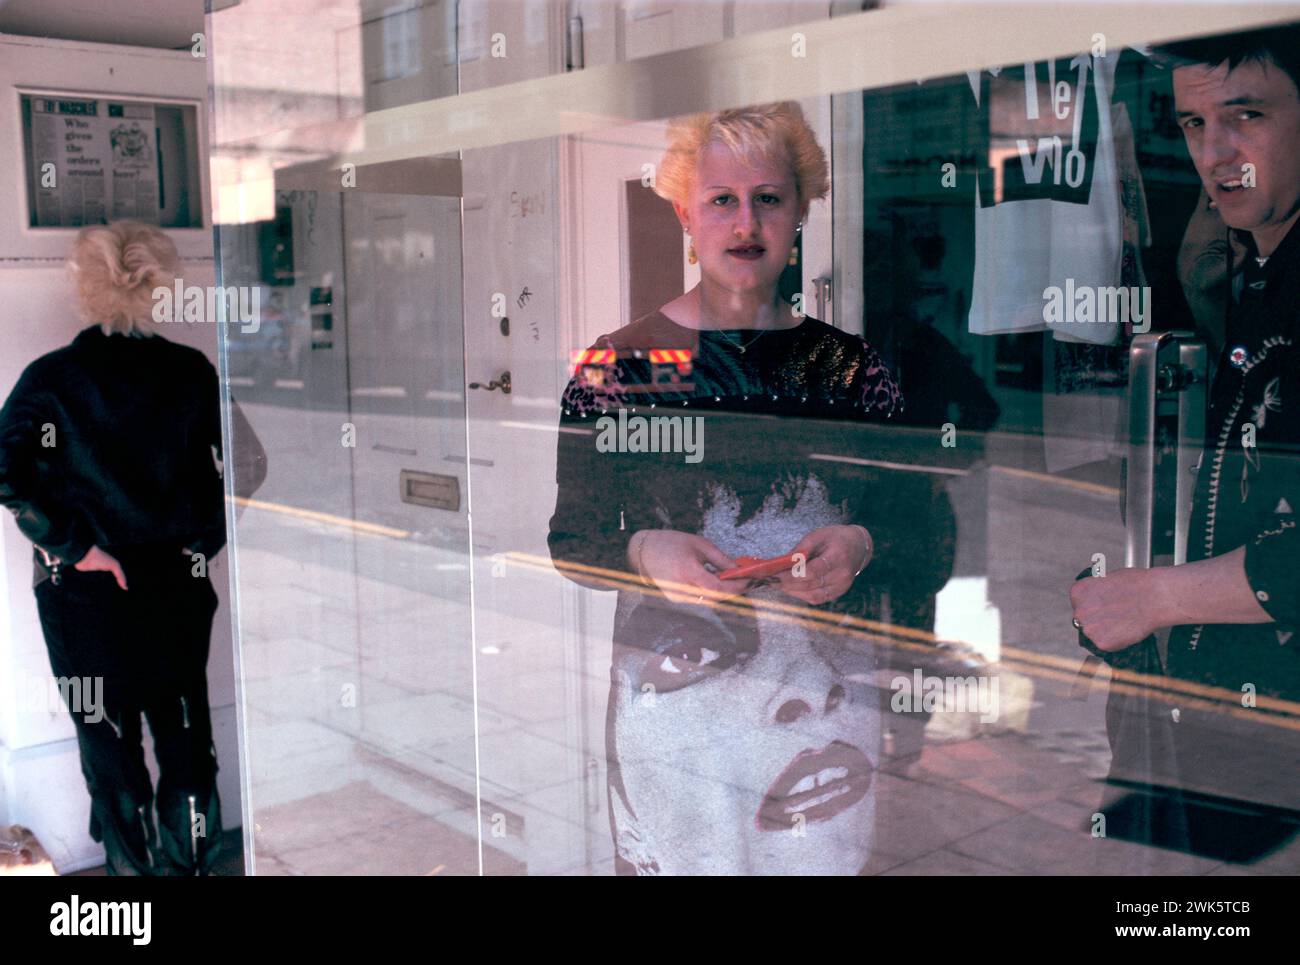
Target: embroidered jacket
x,y
1248,484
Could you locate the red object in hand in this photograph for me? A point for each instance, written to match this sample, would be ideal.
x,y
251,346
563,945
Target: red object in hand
x,y
754,568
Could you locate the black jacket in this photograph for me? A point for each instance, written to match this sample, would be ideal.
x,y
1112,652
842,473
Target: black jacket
x,y
114,441
1250,495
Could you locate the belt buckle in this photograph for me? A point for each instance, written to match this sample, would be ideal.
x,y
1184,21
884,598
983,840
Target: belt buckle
x,y
54,564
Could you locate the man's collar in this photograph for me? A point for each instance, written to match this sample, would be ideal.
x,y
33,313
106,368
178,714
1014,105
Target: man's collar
x,y
1288,251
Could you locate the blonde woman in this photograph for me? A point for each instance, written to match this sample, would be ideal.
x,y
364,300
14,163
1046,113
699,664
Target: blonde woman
x,y
740,717
107,453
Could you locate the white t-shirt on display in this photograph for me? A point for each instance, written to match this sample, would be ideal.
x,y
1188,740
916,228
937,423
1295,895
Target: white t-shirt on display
x,y
1055,218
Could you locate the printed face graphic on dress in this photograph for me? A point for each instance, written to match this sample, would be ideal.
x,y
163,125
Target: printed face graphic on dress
x,y
929,694
1242,129
745,742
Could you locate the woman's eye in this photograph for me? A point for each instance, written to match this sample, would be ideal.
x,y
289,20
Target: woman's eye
x,y
704,656
687,659
1248,115
686,664
767,199
1192,122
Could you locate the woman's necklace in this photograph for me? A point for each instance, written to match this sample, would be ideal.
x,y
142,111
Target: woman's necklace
x,y
739,345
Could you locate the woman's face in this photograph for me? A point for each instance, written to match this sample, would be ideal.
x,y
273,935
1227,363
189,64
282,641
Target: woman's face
x,y
742,218
746,752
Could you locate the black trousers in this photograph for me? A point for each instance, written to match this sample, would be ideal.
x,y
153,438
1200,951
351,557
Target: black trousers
x,y
149,646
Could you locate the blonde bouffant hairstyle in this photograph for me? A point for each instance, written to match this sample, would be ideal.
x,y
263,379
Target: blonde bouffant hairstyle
x,y
775,132
116,268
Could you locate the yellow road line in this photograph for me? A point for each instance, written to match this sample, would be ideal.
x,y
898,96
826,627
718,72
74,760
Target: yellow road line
x,y
1079,484
1047,666
883,464
372,529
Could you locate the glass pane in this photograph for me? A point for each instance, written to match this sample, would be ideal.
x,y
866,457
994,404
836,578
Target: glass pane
x,y
519,422
1023,232
352,557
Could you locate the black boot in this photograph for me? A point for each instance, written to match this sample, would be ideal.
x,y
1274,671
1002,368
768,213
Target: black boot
x,y
126,829
189,823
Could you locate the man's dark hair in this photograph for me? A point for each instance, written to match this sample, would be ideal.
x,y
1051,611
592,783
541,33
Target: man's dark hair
x,y
1277,45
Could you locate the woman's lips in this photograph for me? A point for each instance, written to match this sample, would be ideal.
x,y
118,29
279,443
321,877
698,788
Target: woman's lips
x,y
748,254
818,785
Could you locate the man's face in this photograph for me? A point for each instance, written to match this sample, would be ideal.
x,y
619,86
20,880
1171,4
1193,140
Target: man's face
x,y
1247,116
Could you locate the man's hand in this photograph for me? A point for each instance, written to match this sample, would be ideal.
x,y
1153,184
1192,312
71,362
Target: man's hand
x,y
1127,606
1120,609
98,561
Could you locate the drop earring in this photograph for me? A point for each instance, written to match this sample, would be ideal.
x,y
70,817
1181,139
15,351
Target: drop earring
x,y
690,254
794,250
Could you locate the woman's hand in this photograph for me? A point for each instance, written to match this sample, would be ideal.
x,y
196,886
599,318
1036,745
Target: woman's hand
x,y
834,556
97,561
674,562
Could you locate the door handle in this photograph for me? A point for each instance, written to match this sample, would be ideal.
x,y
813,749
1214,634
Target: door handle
x,y
822,297
502,382
1192,362
1148,381
1140,477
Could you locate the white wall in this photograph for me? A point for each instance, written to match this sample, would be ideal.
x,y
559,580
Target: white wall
x,y
40,776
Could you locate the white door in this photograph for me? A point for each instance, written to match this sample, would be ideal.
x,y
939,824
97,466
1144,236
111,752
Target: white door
x,y
409,492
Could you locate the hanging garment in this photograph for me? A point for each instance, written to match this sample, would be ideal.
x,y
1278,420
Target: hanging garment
x,y
1049,229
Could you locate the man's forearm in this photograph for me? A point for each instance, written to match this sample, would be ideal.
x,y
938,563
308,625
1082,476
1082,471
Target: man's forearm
x,y
1207,591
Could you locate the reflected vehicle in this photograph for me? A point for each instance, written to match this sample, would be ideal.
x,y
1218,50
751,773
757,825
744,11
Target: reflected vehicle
x,y
275,349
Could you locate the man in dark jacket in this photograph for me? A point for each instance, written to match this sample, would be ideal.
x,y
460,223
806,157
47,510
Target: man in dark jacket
x,y
1235,605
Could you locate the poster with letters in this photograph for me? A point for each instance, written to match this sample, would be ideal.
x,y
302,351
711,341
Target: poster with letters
x,y
92,161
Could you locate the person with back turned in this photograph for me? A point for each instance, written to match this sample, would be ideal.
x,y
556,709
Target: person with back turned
x,y
108,450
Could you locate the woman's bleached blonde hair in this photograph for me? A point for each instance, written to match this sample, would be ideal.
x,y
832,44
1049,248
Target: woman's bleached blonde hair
x,y
775,132
115,268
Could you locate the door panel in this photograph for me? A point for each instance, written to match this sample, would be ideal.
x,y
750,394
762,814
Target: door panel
x,y
413,621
